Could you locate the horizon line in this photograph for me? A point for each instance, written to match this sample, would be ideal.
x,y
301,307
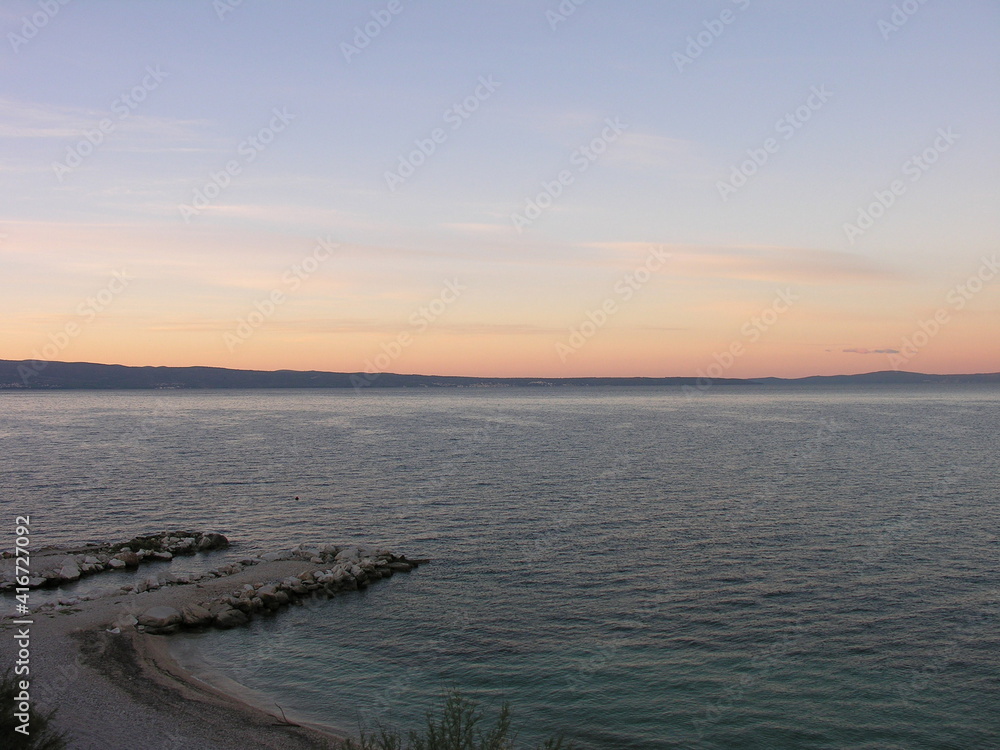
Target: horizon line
x,y
500,377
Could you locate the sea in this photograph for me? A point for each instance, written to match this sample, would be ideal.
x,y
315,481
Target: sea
x,y
630,567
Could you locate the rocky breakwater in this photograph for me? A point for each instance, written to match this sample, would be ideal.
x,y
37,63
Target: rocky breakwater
x,y
55,567
338,569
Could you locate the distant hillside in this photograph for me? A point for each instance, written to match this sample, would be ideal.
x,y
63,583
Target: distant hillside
x,y
64,375
888,377
22,374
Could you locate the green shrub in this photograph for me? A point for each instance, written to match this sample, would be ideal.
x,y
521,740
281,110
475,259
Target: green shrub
x,y
457,728
42,735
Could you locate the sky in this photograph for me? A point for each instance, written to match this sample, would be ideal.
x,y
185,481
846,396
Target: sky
x,y
728,188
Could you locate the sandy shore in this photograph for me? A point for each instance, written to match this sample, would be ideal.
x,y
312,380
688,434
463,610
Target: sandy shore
x,y
125,691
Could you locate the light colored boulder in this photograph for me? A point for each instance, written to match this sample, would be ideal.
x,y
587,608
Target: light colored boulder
x,y
230,618
131,559
212,541
194,615
159,617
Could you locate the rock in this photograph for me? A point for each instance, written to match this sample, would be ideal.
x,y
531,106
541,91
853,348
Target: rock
x,y
160,620
90,560
400,567
183,546
116,563
269,596
69,572
161,555
230,618
212,541
131,559
34,583
348,553
194,615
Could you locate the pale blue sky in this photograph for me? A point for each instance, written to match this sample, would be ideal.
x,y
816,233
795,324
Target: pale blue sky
x,y
658,183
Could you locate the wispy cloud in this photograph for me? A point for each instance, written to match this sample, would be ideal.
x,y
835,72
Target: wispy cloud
x,y
870,351
651,151
29,120
756,263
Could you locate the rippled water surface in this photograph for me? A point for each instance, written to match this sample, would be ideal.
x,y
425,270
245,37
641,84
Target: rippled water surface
x,y
766,568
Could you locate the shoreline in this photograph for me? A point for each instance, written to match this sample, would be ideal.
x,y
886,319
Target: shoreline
x,y
130,689
181,655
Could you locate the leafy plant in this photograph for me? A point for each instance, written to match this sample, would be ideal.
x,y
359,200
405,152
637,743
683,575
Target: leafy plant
x,y
457,727
42,736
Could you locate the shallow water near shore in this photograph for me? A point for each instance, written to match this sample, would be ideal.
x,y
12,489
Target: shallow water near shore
x,y
766,567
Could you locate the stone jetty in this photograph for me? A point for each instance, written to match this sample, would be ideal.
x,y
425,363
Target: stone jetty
x,y
64,566
320,571
339,569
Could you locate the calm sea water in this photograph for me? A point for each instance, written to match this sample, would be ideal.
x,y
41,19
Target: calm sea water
x,y
767,568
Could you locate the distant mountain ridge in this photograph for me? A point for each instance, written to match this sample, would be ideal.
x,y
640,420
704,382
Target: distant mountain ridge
x,y
34,375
